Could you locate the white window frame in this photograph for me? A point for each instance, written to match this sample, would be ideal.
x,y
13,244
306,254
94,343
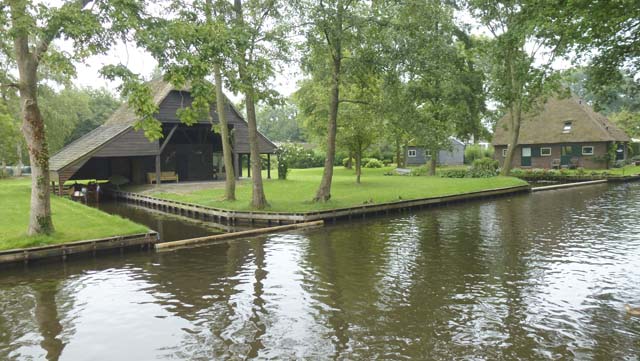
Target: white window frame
x,y
412,153
566,126
504,153
593,149
545,155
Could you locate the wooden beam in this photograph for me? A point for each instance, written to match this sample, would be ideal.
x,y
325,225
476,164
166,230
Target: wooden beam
x,y
166,141
235,166
158,170
249,165
268,165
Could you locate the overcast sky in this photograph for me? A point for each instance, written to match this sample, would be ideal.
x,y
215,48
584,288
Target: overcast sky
x,y
143,63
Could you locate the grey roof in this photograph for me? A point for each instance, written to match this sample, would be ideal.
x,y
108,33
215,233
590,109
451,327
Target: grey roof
x,y
119,122
85,145
546,127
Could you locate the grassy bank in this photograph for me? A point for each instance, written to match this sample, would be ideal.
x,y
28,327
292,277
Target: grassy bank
x,y
73,221
295,193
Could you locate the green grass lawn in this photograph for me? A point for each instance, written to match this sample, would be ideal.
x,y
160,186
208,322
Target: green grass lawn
x,y
295,193
73,221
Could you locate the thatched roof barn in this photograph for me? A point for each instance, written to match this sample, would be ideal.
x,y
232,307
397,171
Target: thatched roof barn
x,y
190,152
565,132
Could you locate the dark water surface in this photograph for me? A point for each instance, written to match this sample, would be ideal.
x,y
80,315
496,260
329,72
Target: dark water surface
x,y
169,227
542,276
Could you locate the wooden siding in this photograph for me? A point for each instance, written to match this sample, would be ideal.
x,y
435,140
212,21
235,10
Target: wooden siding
x,y
132,143
179,99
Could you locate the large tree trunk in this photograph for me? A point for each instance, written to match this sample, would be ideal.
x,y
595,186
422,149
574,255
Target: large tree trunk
x,y
433,163
33,130
324,191
20,164
358,166
258,199
230,177
398,154
514,132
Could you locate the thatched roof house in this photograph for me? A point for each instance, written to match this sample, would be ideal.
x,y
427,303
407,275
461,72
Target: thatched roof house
x,y
565,132
191,152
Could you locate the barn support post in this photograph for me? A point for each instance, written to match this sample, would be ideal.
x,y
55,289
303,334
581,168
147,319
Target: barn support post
x,y
158,170
236,169
268,165
249,165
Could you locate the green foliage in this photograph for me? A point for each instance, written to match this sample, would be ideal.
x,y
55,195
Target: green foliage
x,y
484,168
279,123
454,173
627,121
473,152
298,157
373,163
283,162
345,161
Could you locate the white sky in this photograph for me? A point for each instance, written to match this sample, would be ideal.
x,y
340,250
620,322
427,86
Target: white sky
x,y
285,82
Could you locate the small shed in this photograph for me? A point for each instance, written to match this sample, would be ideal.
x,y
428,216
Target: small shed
x,y
192,153
415,155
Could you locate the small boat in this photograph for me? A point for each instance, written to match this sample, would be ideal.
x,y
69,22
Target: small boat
x,y
633,311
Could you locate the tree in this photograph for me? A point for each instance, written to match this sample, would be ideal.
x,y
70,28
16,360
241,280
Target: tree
x,y
621,92
604,32
279,122
32,27
429,83
516,81
192,42
332,32
628,121
258,37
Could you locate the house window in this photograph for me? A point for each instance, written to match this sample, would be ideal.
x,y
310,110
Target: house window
x,y
412,153
567,127
504,153
587,150
545,152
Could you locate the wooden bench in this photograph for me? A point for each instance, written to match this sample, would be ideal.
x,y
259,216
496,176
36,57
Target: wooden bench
x,y
164,176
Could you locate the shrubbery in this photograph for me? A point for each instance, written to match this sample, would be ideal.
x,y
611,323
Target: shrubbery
x,y
484,168
373,163
481,168
298,157
454,173
474,151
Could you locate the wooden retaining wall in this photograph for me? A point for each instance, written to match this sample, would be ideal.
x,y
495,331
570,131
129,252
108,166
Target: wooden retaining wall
x,y
62,251
230,217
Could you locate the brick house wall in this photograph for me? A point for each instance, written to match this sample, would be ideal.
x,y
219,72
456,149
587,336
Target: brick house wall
x,y
539,161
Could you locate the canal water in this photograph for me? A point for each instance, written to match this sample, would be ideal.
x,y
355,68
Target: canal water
x,y
540,276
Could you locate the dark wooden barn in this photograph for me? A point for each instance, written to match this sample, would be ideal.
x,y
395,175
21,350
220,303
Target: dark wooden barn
x,y
191,153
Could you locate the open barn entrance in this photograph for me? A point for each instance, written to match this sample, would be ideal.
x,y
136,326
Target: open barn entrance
x,y
194,152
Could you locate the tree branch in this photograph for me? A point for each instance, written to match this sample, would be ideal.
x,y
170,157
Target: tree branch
x,y
51,32
354,101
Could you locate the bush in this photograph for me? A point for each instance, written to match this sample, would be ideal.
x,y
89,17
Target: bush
x,y
419,171
373,163
473,152
283,165
489,152
454,173
484,168
345,162
298,157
